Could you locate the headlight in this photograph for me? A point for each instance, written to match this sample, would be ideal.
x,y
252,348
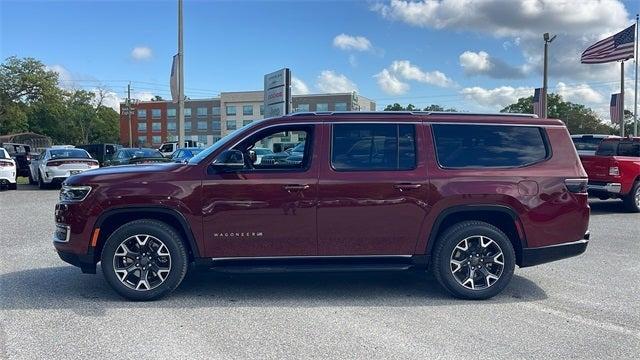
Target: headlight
x,y
74,193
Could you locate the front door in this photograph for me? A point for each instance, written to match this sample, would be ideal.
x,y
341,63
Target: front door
x,y
373,189
268,208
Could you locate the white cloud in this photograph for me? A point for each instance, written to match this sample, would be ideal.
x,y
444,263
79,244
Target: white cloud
x,y
331,82
390,84
496,98
582,93
481,63
355,43
408,71
141,53
524,21
298,87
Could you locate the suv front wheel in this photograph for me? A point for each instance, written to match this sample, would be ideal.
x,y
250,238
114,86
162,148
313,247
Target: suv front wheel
x,y
144,260
473,260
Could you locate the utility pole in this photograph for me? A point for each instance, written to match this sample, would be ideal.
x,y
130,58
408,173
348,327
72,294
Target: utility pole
x,y
129,113
547,41
180,79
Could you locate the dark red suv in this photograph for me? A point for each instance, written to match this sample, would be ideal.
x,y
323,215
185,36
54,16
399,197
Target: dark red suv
x,y
467,196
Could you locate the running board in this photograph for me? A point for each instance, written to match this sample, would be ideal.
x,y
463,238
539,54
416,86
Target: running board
x,y
312,264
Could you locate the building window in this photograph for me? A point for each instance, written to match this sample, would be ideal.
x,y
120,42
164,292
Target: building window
x,y
142,126
322,107
187,125
171,113
303,108
341,106
202,139
246,122
187,112
262,109
155,126
156,113
216,138
202,125
142,113
202,111
142,140
231,110
171,125
231,125
247,110
215,125
156,139
215,111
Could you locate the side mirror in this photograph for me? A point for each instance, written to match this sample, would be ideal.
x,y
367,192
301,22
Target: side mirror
x,y
229,160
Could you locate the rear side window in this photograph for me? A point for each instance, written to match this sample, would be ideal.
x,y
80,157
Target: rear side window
x,y
360,147
478,146
588,143
629,149
607,148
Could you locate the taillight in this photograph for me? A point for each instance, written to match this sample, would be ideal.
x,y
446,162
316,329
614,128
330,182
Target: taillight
x,y
5,164
54,163
577,186
614,171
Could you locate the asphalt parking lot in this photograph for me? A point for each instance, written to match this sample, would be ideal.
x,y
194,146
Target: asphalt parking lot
x,y
585,307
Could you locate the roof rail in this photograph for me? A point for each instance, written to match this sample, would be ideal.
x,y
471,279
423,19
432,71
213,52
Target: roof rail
x,y
384,113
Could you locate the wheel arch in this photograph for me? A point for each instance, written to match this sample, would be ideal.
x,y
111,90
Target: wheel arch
x,y
503,217
112,219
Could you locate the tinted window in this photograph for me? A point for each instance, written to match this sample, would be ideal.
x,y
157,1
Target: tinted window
x,y
588,143
460,146
69,153
373,147
3,154
629,149
607,148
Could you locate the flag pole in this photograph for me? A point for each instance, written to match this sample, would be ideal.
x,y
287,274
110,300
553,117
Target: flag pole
x,y
622,98
635,92
180,70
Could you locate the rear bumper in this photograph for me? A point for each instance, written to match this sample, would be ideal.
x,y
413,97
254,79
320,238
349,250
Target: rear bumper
x,y
605,188
545,254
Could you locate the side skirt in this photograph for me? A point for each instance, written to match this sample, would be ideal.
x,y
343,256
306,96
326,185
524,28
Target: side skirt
x,y
285,264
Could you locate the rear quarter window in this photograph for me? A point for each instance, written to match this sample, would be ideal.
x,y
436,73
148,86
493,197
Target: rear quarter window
x,y
482,146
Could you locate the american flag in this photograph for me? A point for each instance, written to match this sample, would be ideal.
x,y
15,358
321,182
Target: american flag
x,y
538,102
614,108
613,48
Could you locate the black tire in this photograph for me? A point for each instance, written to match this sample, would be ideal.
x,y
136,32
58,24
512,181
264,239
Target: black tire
x,y
41,184
443,254
13,186
162,232
632,200
32,181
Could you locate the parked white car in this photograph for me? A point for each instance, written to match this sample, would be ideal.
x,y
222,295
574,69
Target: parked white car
x,y
55,164
7,171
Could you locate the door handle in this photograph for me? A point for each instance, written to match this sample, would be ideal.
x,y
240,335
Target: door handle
x,y
295,187
403,187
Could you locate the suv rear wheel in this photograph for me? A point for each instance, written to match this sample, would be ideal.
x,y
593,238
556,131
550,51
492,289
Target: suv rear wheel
x,y
473,260
144,260
632,200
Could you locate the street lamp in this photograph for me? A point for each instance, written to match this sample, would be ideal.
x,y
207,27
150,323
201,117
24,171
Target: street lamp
x,y
547,41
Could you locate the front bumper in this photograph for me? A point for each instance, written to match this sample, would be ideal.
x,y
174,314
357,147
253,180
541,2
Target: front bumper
x,y
84,262
545,254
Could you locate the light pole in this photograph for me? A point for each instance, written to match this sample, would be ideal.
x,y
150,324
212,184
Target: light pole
x,y
180,79
547,41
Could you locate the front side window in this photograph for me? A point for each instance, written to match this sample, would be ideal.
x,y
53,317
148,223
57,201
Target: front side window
x,y
479,146
322,107
231,110
156,113
202,111
366,147
247,110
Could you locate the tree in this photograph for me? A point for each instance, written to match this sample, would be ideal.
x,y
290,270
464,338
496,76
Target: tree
x,y
411,107
157,98
577,117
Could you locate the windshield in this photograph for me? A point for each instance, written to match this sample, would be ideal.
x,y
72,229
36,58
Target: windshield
x,y
69,153
218,144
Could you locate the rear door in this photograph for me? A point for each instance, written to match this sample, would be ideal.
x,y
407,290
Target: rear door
x,y
373,189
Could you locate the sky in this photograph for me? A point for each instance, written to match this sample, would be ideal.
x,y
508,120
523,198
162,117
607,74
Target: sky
x,y
470,55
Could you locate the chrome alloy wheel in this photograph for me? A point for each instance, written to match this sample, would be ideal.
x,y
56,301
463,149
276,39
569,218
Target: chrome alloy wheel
x,y
142,262
637,197
477,262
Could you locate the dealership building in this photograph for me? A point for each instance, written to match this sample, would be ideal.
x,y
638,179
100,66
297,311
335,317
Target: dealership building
x,y
207,120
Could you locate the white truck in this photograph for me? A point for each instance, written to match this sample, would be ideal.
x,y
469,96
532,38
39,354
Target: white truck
x,y
167,149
